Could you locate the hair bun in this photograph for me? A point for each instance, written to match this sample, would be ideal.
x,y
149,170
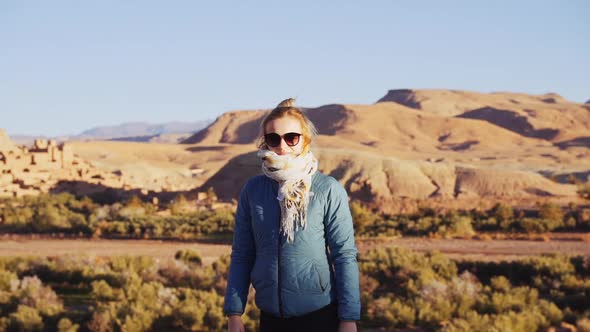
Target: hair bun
x,y
289,102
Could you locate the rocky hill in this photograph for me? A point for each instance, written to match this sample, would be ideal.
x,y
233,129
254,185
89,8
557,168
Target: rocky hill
x,y
434,144
452,147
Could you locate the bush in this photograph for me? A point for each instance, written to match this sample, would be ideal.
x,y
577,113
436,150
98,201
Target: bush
x,y
362,217
101,321
387,311
102,291
7,279
532,225
179,205
66,325
551,212
33,294
199,311
460,226
502,213
26,319
189,256
406,289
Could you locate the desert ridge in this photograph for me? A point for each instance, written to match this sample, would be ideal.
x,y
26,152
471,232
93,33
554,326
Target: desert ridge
x,y
446,146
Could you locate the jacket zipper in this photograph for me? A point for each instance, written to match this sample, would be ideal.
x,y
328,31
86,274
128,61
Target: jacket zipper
x,y
279,275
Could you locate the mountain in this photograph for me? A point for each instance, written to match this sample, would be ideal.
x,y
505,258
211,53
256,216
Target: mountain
x,y
441,145
453,148
238,127
133,130
29,139
547,116
171,132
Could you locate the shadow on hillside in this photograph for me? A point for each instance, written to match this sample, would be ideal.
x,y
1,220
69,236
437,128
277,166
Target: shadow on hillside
x,y
510,120
405,97
247,132
458,146
329,119
204,148
140,139
567,177
583,142
230,179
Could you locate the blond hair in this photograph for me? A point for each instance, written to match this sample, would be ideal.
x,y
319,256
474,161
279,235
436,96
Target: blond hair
x,y
284,109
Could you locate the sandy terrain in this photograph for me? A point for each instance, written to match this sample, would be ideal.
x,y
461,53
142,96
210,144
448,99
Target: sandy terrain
x,y
158,249
486,250
422,145
443,148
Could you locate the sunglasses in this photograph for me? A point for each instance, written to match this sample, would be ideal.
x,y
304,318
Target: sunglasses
x,y
273,139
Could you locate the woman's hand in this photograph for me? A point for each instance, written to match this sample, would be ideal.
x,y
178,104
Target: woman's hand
x,y
235,324
347,327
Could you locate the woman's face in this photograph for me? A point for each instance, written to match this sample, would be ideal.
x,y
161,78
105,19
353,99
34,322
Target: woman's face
x,y
285,127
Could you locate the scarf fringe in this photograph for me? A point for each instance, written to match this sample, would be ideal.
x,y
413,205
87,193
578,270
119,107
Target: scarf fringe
x,y
293,173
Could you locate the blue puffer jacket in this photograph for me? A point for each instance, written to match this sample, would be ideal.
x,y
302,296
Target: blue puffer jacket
x,y
292,279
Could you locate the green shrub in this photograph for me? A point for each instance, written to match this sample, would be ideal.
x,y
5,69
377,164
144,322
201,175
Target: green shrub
x,y
66,325
102,291
460,226
33,294
189,256
472,321
551,312
500,284
199,311
536,225
387,311
502,213
101,321
362,217
552,212
26,319
179,205
7,278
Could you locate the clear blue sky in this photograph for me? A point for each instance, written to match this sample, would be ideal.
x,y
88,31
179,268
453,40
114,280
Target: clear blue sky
x,y
66,66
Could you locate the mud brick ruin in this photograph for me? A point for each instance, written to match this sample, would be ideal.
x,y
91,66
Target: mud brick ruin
x,y
30,171
38,169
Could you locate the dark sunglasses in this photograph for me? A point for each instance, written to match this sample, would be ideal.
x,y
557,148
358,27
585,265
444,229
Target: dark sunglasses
x,y
273,139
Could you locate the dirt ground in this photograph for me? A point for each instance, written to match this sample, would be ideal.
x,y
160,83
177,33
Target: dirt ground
x,y
158,249
455,248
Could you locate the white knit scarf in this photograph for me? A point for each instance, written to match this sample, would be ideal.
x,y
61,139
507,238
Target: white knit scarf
x,y
293,173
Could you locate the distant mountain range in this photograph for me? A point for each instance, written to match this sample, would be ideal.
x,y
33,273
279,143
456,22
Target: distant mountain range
x,y
129,131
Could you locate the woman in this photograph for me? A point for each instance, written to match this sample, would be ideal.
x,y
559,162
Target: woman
x,y
293,237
